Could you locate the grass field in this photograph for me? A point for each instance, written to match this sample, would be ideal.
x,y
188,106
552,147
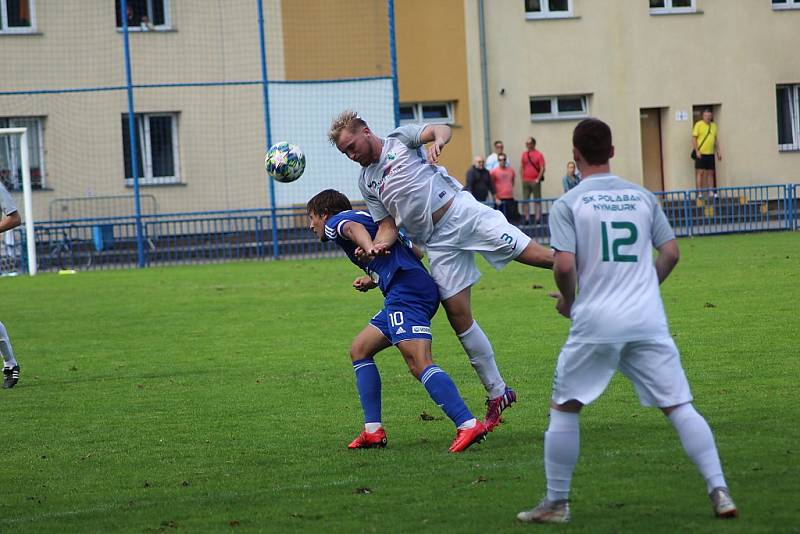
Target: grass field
x,y
221,397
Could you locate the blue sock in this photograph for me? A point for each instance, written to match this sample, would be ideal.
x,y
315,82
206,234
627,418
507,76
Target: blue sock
x,y
368,383
445,393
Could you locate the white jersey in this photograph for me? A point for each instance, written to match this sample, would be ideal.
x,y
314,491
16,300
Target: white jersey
x,y
611,226
7,204
404,185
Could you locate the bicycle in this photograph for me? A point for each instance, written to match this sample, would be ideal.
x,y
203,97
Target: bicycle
x,y
71,254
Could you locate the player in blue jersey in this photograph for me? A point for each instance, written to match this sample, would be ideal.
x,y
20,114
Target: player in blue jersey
x,y
411,300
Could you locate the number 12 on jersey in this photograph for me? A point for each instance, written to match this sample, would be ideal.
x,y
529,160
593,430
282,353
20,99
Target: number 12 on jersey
x,y
630,239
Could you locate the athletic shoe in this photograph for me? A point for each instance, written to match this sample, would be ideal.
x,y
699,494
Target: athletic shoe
x,y
547,512
495,407
467,436
369,440
10,376
724,507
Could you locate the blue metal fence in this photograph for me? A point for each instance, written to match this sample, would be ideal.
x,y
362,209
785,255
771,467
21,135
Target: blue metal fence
x,y
218,236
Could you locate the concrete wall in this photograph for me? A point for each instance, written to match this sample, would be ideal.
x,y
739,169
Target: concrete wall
x,y
731,54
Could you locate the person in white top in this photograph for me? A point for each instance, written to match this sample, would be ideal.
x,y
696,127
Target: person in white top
x,y
10,220
603,232
404,187
491,160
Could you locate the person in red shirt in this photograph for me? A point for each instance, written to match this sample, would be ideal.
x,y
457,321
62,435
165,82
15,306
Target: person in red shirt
x,y
503,179
532,171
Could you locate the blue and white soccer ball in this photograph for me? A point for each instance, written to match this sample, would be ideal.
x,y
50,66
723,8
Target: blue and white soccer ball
x,y
285,162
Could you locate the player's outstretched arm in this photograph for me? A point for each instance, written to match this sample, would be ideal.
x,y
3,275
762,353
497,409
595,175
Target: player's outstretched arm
x,y
668,256
9,221
438,135
356,233
565,276
385,238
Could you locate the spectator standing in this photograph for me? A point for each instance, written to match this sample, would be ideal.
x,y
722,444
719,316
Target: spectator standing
x,y
491,161
503,179
479,182
532,172
705,141
572,178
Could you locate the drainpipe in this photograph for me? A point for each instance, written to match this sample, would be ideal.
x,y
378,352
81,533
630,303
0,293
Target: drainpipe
x,y
487,145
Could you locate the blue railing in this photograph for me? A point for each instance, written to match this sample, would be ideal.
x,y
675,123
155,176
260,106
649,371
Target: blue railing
x,y
217,236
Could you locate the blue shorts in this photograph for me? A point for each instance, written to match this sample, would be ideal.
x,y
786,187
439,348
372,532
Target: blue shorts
x,y
411,303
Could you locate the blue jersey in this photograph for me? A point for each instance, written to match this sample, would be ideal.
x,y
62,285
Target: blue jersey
x,y
381,269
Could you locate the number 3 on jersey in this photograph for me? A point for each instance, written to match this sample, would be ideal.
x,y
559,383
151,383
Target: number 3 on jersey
x,y
622,241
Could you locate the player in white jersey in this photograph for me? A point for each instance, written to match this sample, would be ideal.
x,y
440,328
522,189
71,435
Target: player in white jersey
x,y
404,187
10,219
603,232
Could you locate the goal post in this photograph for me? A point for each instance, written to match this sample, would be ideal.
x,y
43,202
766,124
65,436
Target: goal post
x,y
30,239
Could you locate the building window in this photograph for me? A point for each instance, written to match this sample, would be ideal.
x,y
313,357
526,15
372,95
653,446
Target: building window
x,y
145,15
11,157
565,107
788,107
548,9
429,112
660,7
17,16
156,148
785,4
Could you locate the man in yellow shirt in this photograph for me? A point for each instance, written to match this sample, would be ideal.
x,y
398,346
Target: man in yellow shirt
x,y
705,142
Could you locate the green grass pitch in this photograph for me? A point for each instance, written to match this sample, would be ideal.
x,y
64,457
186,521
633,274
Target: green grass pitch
x,y
220,397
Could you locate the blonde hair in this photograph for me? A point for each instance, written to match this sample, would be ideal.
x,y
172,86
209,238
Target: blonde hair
x,y
346,120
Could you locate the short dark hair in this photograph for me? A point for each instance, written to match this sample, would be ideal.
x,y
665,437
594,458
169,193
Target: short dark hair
x,y
328,202
498,142
709,110
592,138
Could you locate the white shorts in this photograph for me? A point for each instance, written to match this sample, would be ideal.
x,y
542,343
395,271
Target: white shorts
x,y
584,371
468,227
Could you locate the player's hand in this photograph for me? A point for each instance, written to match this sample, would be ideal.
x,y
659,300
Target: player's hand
x,y
363,283
434,152
562,306
380,249
362,255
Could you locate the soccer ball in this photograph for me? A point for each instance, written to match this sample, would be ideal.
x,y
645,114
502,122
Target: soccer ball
x,y
285,162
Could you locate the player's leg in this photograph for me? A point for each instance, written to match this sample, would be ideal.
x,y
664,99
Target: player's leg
x,y
582,373
10,364
410,304
454,272
481,356
467,227
366,345
655,369
443,392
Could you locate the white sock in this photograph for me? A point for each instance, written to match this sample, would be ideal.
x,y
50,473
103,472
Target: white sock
x,y
5,348
481,356
468,424
372,427
561,448
698,442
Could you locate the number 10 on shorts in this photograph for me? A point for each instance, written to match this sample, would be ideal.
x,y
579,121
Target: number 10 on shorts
x,y
396,318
